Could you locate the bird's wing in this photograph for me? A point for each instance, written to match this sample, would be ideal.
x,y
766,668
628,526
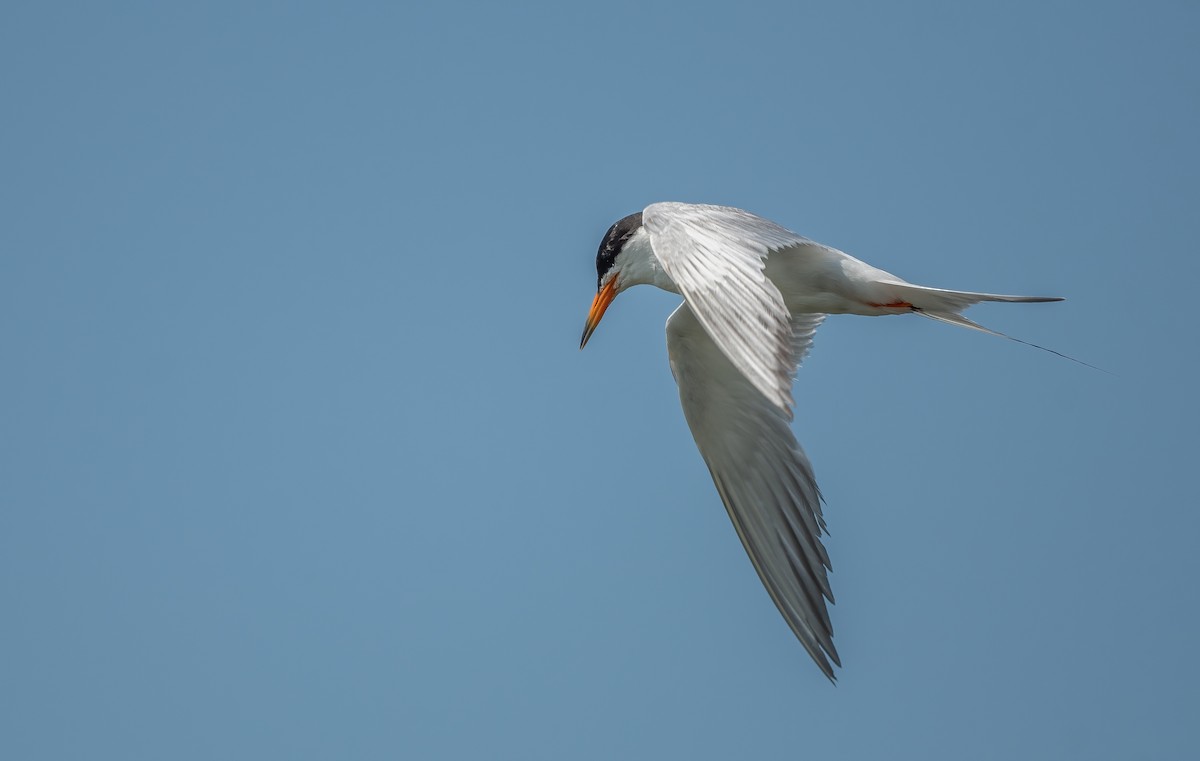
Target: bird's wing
x,y
761,473
716,257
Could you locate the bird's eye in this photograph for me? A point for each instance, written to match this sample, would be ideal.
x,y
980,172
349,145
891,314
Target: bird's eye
x,y
604,262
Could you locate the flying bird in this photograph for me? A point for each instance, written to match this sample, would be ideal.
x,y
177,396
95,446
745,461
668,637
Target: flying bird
x,y
754,294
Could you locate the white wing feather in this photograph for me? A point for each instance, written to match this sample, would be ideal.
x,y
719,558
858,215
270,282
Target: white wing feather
x,y
761,473
716,257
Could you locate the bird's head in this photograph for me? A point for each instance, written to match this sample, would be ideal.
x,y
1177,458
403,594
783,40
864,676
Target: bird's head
x,y
613,256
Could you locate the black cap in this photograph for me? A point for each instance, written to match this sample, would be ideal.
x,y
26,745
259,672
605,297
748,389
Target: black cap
x,y
614,241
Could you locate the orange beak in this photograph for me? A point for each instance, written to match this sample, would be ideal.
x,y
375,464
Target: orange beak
x,y
599,304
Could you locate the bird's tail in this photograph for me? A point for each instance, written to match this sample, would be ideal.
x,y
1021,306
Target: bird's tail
x,y
946,306
941,301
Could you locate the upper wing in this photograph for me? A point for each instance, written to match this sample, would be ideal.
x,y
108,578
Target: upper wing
x,y
761,473
716,257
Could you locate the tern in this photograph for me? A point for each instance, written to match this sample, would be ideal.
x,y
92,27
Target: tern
x,y
754,294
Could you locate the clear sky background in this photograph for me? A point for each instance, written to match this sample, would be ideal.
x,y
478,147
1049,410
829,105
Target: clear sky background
x,y
299,458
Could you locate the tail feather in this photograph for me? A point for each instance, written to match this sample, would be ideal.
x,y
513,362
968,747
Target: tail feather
x,y
942,300
953,318
945,306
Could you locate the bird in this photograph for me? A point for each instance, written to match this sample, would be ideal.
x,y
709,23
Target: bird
x,y
754,294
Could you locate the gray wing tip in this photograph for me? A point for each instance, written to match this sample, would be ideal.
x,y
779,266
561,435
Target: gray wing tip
x,y
1021,299
823,658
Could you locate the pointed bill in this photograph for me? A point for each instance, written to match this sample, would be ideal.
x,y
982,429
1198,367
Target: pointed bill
x,y
599,304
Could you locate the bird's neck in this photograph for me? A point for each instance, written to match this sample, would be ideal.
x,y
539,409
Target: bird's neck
x,y
639,266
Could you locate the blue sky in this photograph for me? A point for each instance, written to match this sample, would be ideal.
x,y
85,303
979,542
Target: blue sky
x,y
299,458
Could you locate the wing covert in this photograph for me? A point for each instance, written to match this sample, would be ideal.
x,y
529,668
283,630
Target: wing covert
x,y
716,256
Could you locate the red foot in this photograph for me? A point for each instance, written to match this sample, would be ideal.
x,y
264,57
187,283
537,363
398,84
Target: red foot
x,y
893,305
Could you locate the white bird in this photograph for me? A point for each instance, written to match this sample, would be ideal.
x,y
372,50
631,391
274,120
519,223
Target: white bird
x,y
753,296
